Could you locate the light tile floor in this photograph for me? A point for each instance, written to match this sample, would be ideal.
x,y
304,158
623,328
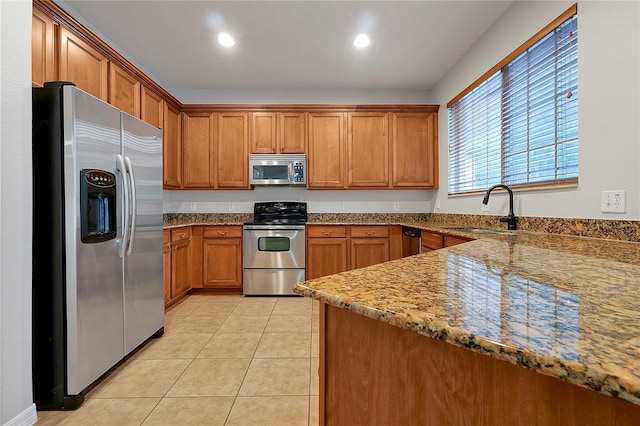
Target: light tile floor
x,y
223,360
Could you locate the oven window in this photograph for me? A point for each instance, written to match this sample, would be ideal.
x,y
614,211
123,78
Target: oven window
x,y
274,243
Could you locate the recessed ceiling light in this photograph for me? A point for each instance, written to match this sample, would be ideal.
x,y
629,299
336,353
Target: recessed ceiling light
x,y
225,39
361,41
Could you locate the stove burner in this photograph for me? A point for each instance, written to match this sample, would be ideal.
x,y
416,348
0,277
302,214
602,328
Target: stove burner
x,y
279,213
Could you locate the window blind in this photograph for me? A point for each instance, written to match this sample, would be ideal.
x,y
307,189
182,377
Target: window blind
x,y
519,125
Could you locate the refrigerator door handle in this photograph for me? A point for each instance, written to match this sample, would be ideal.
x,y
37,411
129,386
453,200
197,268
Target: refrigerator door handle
x,y
133,206
121,168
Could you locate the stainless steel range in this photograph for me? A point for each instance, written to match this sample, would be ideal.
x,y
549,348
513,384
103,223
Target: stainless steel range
x,y
274,248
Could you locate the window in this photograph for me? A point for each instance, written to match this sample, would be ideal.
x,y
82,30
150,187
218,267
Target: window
x,y
518,124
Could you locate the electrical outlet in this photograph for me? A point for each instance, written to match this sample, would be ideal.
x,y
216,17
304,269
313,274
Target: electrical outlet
x,y
193,207
614,201
485,208
396,205
232,207
340,206
438,204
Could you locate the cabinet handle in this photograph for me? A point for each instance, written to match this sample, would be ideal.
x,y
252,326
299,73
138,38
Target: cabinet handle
x,y
182,235
326,233
222,233
370,233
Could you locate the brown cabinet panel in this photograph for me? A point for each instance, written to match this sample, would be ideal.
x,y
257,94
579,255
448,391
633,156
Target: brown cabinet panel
x,y
326,256
222,256
369,231
180,261
368,149
166,263
43,43
152,107
368,251
124,90
83,65
326,151
453,241
197,150
324,231
263,132
292,132
414,150
172,147
431,240
232,150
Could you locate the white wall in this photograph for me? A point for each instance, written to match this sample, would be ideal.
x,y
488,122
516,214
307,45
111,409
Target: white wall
x,y
609,107
406,201
16,406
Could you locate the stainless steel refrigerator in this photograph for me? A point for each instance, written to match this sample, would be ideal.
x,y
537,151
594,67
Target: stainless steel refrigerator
x,y
97,240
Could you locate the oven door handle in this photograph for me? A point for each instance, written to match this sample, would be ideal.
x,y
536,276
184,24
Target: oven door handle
x,y
273,228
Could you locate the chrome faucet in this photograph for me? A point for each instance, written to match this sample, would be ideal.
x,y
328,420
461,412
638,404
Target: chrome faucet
x,y
511,218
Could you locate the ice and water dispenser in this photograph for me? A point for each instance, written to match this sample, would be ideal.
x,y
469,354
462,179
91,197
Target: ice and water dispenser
x,y
97,206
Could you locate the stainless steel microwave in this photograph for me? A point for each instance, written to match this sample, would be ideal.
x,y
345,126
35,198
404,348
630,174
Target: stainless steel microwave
x,y
277,169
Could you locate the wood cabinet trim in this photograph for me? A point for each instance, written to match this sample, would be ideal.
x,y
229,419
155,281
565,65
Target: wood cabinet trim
x,y
318,108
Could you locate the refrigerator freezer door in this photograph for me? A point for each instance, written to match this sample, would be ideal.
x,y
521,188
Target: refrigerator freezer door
x,y
143,288
94,325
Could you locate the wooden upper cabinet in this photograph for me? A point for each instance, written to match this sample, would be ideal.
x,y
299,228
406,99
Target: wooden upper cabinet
x,y
83,65
277,132
152,107
198,150
43,42
326,150
414,150
124,90
368,149
292,132
263,132
232,150
172,147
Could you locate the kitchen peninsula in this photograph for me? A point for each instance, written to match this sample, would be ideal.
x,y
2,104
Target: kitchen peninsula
x,y
442,338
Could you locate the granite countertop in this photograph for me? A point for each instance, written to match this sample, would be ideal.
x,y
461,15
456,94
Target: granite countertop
x,y
563,306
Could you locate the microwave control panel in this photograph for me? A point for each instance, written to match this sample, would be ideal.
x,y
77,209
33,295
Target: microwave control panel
x,y
298,172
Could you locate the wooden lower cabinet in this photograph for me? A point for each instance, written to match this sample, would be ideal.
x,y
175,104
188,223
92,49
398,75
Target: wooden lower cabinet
x,y
327,250
177,263
369,246
222,257
453,241
373,373
332,249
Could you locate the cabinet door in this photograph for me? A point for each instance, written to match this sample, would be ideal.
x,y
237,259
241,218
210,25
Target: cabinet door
x,y
180,268
326,256
151,107
166,262
292,132
232,146
83,65
414,150
263,133
172,147
222,262
124,90
368,251
197,150
43,63
368,149
326,151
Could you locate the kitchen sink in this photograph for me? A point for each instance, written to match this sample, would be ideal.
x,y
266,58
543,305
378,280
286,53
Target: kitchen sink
x,y
485,231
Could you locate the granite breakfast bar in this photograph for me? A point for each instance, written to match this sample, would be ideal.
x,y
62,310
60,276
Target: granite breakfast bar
x,y
526,328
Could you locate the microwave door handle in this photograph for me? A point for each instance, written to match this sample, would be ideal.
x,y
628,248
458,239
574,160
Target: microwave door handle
x,y
290,168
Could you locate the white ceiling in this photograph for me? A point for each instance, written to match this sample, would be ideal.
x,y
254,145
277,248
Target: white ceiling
x,y
291,44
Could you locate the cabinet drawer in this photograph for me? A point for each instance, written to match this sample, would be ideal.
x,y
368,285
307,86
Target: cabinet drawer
x,y
326,231
369,231
222,232
431,240
452,241
180,234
